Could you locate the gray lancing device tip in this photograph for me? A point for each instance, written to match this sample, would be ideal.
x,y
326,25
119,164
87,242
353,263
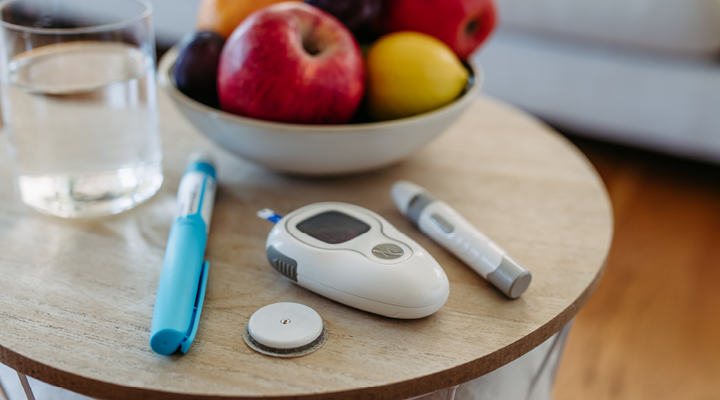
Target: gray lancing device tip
x,y
510,278
286,353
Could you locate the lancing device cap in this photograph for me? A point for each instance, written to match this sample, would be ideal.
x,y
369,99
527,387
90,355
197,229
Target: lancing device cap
x,y
510,277
285,330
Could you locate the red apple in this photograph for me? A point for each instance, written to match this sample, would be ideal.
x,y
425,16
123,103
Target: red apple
x,y
291,62
461,24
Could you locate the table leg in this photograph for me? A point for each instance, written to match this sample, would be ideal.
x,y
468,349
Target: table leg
x,y
451,393
3,392
26,386
551,361
530,377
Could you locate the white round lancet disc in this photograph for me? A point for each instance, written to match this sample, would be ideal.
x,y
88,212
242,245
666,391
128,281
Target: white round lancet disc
x,y
285,330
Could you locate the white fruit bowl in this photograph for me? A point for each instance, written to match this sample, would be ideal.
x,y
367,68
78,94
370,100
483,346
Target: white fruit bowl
x,y
316,149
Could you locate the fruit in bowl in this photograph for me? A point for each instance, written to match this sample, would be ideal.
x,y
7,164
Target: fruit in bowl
x,y
223,16
461,24
291,62
196,67
410,73
359,16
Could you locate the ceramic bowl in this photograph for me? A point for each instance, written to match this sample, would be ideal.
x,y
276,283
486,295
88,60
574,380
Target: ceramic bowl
x,y
316,149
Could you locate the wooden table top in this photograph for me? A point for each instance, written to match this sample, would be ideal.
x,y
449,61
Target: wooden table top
x,y
77,296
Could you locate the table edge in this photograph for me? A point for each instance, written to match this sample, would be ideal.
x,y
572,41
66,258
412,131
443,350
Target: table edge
x,y
406,389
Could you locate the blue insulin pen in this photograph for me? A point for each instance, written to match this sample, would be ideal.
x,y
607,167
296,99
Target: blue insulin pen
x,y
184,273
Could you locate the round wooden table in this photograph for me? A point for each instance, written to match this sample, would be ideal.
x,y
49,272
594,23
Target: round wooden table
x,y
77,296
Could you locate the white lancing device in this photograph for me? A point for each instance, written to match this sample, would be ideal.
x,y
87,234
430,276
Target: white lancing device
x,y
448,228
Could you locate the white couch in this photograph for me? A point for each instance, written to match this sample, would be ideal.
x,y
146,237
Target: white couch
x,y
640,72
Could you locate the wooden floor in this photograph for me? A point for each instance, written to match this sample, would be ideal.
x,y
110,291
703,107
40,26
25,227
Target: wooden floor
x,y
652,328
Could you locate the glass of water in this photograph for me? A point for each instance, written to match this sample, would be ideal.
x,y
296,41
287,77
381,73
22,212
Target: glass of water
x,y
79,103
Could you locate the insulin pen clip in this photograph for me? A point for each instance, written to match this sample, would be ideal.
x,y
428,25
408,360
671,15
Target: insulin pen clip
x,y
449,229
184,274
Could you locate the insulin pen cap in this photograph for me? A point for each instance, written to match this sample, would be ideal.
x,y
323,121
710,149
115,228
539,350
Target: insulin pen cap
x,y
202,161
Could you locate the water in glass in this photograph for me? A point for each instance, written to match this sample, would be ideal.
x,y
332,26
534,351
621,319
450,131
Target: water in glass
x,y
83,127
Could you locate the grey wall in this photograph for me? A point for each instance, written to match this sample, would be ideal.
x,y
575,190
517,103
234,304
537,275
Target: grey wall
x,y
173,19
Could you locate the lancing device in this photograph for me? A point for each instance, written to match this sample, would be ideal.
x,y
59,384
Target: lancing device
x,y
448,228
184,273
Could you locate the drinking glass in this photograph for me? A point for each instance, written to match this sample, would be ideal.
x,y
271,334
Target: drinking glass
x,y
79,103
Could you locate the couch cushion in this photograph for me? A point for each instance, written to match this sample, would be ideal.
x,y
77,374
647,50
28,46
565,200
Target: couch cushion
x,y
655,101
683,26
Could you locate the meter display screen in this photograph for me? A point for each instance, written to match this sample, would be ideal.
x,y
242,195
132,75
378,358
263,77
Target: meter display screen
x,y
333,227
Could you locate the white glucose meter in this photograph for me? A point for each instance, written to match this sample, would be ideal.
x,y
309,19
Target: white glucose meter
x,y
354,256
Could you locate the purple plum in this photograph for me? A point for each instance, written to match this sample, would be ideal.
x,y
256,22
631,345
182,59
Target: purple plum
x,y
357,15
196,67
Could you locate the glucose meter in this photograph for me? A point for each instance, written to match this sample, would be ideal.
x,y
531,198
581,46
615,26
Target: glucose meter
x,y
354,256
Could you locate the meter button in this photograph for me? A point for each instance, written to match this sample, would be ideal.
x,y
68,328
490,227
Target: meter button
x,y
387,251
442,223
